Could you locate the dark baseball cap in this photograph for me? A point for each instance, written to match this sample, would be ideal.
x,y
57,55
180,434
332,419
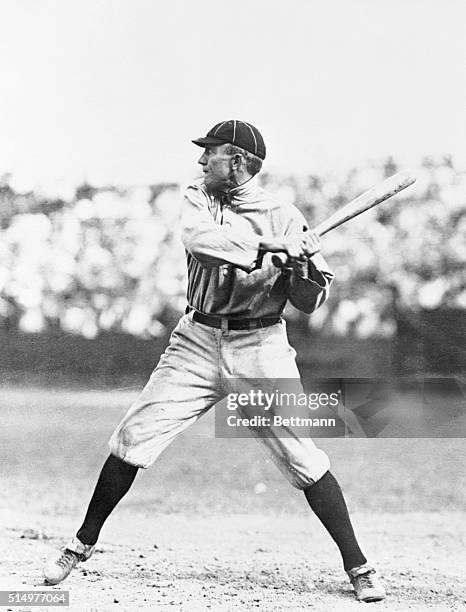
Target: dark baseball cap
x,y
238,133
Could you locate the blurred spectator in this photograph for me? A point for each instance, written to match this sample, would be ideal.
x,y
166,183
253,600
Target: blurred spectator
x,y
93,259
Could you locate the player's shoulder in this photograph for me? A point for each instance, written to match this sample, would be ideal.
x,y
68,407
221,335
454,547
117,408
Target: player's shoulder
x,y
280,204
289,212
276,200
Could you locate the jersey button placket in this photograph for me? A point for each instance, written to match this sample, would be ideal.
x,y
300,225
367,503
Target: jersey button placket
x,y
226,221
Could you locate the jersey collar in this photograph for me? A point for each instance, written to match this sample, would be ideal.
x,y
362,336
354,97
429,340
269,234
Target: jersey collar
x,y
241,194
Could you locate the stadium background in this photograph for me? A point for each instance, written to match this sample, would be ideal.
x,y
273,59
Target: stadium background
x,y
99,103
93,281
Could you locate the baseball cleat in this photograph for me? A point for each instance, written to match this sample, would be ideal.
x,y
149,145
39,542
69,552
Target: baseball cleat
x,y
366,585
60,564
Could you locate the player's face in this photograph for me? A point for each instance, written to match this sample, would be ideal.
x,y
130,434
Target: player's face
x,y
216,165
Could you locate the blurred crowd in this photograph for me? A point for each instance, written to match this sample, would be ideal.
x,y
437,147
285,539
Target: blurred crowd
x,y
111,259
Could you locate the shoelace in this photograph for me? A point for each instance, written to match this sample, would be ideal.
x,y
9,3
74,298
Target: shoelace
x,y
365,580
66,559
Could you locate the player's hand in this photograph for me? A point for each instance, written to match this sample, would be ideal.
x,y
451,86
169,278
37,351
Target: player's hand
x,y
302,246
296,246
312,243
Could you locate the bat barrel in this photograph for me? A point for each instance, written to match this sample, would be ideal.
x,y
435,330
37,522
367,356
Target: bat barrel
x,y
377,194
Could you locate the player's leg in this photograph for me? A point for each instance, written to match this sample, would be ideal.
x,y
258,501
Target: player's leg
x,y
307,468
302,463
327,501
182,387
113,483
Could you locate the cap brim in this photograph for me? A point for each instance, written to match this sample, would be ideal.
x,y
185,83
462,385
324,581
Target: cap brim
x,y
209,141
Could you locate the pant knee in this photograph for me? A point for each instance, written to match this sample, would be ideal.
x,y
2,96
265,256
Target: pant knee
x,y
303,474
121,443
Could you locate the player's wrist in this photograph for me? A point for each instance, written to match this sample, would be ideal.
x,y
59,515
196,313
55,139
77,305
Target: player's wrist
x,y
299,267
272,245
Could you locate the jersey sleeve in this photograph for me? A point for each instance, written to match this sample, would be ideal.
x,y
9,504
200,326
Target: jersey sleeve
x,y
309,282
211,244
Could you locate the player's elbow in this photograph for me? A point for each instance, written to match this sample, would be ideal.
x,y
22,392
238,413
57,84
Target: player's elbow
x,y
191,242
309,303
303,306
196,247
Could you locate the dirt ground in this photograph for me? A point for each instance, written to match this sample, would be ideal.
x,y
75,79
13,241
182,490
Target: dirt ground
x,y
213,526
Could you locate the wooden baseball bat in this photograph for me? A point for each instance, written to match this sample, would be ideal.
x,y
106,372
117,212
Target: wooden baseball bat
x,y
377,194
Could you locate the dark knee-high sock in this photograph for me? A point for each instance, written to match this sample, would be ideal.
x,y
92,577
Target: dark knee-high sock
x,y
327,501
114,482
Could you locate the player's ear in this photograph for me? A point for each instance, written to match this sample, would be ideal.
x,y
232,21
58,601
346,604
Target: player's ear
x,y
237,161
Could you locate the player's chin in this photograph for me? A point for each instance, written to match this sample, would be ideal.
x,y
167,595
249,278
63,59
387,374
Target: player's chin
x,y
208,182
212,185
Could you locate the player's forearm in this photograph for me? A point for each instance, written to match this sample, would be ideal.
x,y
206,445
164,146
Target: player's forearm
x,y
272,245
214,246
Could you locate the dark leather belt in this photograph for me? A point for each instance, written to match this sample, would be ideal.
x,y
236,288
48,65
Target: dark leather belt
x,y
237,324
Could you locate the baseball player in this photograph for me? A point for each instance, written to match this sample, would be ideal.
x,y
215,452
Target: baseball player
x,y
232,330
